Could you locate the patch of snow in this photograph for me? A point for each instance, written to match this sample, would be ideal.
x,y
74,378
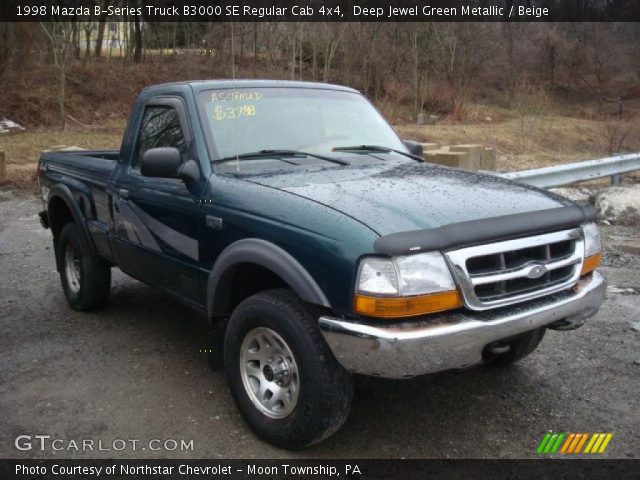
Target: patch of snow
x,y
619,205
7,125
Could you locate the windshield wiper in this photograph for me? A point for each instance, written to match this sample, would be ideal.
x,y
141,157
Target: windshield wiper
x,y
277,153
377,148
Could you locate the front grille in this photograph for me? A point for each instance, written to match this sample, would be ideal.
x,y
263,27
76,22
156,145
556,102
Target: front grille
x,y
513,271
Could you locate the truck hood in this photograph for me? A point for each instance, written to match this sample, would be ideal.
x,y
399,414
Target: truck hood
x,y
392,196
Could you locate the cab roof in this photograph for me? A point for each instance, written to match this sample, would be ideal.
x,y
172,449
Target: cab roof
x,y
200,85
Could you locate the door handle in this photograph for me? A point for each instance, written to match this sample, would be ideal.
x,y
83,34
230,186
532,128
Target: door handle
x,y
124,193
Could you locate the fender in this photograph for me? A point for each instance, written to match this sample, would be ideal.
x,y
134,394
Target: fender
x,y
63,192
267,255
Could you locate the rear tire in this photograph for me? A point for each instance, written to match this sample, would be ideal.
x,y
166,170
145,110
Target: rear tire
x,y
519,347
85,277
284,379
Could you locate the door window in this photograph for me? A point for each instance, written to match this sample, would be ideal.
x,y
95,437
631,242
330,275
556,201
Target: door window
x,y
160,128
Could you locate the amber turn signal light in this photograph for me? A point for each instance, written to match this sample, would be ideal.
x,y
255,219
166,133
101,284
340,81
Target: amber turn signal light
x,y
591,263
406,306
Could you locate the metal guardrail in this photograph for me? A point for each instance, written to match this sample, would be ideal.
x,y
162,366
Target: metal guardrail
x,y
569,173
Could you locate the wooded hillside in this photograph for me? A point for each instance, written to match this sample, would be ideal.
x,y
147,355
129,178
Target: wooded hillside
x,y
57,73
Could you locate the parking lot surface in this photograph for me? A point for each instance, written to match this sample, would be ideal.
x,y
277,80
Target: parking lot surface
x,y
135,371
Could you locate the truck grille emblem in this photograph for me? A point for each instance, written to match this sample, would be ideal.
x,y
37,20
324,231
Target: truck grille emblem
x,y
537,271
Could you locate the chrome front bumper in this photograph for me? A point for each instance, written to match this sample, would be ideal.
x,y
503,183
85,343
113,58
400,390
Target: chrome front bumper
x,y
457,339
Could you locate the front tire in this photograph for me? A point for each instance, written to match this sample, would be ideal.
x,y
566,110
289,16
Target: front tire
x,y
284,379
85,277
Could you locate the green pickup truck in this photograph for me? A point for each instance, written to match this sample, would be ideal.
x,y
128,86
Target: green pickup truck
x,y
317,243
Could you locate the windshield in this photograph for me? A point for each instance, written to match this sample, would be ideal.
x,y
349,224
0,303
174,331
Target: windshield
x,y
246,120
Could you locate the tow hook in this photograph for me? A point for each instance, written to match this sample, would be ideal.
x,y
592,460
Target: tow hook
x,y
497,348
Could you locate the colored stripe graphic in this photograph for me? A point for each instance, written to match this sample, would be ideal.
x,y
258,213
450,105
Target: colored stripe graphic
x,y
567,442
555,447
581,443
606,441
572,443
552,440
596,446
543,443
591,443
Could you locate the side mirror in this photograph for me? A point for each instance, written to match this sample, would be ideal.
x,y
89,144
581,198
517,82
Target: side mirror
x,y
162,162
415,148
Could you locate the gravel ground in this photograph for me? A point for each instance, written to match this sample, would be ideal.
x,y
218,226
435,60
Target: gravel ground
x,y
134,371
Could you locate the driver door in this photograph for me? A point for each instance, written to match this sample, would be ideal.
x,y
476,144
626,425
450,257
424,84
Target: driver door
x,y
156,218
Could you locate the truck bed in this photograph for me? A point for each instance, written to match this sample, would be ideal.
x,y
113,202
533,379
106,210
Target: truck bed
x,y
90,165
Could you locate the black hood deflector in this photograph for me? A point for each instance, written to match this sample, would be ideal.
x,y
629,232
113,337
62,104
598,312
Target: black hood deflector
x,y
485,230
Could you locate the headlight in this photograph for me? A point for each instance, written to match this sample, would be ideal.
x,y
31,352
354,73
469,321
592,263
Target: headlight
x,y
423,273
377,276
592,248
405,286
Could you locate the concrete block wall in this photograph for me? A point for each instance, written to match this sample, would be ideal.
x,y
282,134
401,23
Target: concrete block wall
x,y
466,156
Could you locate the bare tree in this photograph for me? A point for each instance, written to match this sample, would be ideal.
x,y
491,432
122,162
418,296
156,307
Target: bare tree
x,y
6,41
87,28
420,40
61,36
102,23
550,51
255,47
137,50
332,41
615,134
